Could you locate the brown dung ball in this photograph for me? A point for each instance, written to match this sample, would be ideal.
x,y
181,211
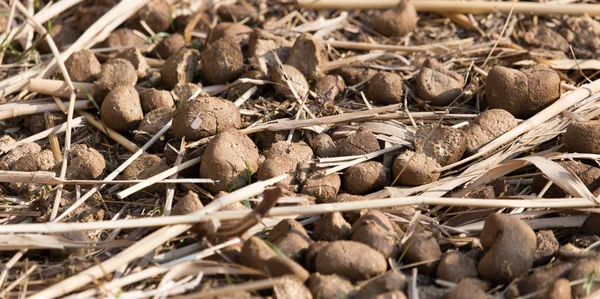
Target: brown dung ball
x,y
115,73
360,143
296,79
398,21
42,161
278,165
486,127
121,109
323,188
262,48
442,143
582,31
291,238
236,12
170,45
123,38
583,137
188,204
328,87
437,85
364,177
140,164
299,151
230,158
179,67
455,266
153,99
422,247
522,93
16,153
156,119
222,62
331,227
63,35
353,260
582,271
255,253
205,116
385,88
187,91
238,32
307,56
414,169
355,73
88,15
83,66
546,38
390,281
237,91
323,146
329,286
85,163
138,61
156,14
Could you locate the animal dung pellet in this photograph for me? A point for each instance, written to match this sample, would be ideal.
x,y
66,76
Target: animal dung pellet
x,y
421,247
583,137
397,21
322,187
299,151
388,282
359,143
83,66
583,31
238,32
589,176
414,169
455,266
41,161
291,238
156,14
278,266
331,227
222,61
385,88
330,286
509,245
287,73
230,158
522,93
486,127
328,87
278,165
442,143
236,12
19,151
559,289
121,109
255,252
291,287
170,45
544,37
306,56
188,204
465,289
179,67
204,117
153,99
63,34
138,165
355,73
238,90
156,119
323,146
374,229
547,247
353,260
123,38
364,177
182,92
262,46
138,61
115,73
85,163
438,85
582,271
88,15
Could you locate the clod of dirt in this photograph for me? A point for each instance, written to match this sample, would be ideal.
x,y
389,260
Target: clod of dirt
x,y
85,163
355,74
455,266
294,77
83,66
237,31
156,120
420,247
329,286
438,85
291,287
156,14
353,260
204,117
184,91
365,177
444,144
230,158
179,67
237,91
138,61
42,161
152,171
546,38
385,88
331,227
140,164
589,175
398,21
188,204
63,35
547,247
121,109
509,246
262,47
328,87
522,93
16,153
300,151
374,229
307,56
310,255
153,99
360,143
115,73
322,188
582,33
323,146
541,279
170,45
583,137
291,238
222,61
255,253
266,139
390,281
123,38
281,265
276,166
86,16
465,289
582,270
486,127
236,12
414,169
559,289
